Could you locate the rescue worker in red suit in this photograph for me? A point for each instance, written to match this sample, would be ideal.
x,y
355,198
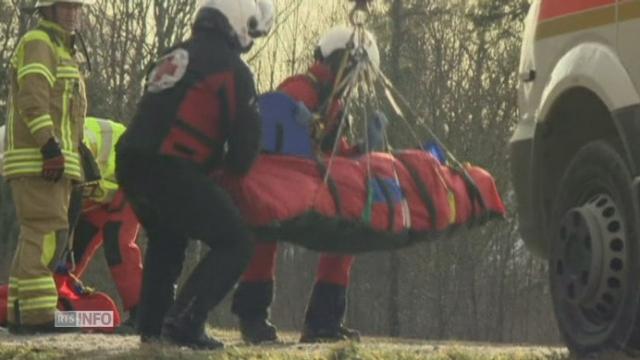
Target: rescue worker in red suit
x,y
198,114
107,220
327,305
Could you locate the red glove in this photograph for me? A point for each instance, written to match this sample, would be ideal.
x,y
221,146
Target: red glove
x,y
53,161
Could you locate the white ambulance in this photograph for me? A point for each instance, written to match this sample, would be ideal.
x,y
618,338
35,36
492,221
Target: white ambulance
x,y
575,158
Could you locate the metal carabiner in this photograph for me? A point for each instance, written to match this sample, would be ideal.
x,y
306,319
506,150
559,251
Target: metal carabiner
x,y
360,12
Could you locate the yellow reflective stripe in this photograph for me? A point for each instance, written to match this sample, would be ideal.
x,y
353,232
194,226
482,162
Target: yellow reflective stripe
x,y
37,159
68,72
69,129
9,129
36,152
40,122
70,170
13,281
452,206
29,161
65,105
37,167
36,35
10,158
68,76
36,68
13,164
51,286
25,151
65,127
48,249
9,170
36,281
42,302
8,173
68,68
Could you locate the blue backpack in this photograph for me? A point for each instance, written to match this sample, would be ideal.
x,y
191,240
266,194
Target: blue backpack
x,y
285,125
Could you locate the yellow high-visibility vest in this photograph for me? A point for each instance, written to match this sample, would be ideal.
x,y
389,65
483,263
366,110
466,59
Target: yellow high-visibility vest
x,y
101,136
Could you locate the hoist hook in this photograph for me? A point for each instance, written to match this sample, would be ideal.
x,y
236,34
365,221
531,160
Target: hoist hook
x,y
360,12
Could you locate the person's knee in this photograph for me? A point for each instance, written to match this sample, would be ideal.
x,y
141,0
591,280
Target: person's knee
x,y
164,260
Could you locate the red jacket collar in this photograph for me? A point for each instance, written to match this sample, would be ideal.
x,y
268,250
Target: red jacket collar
x,y
322,74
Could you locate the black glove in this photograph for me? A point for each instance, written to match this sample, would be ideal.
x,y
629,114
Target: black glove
x,y
53,161
89,164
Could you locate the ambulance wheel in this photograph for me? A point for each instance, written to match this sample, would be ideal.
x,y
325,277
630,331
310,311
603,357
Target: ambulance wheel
x,y
594,263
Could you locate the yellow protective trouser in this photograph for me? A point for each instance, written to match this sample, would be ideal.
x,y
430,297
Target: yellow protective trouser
x,y
41,209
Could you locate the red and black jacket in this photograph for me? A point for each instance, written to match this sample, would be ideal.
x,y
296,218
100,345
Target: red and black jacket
x,y
205,113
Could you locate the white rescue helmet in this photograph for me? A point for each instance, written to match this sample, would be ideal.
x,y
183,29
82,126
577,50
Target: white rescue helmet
x,y
249,19
343,37
45,3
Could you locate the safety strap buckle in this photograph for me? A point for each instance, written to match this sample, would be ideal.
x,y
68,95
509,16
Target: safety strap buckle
x,y
90,189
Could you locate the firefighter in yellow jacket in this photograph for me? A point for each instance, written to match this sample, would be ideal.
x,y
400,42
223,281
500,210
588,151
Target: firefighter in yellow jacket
x,y
42,162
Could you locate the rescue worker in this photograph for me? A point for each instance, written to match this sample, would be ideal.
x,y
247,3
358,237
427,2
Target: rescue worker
x,y
198,114
42,158
327,305
107,219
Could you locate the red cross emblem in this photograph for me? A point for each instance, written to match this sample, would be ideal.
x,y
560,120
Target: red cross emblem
x,y
169,70
166,68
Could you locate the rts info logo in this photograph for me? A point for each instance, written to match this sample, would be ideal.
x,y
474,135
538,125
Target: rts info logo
x,y
84,319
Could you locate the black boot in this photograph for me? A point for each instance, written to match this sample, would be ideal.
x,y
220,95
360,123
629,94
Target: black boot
x,y
188,329
129,327
258,331
251,302
325,311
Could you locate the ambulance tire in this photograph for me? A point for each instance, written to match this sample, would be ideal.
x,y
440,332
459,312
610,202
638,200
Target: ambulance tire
x,y
594,262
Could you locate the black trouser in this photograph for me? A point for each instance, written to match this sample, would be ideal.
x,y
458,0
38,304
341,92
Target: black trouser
x,y
175,202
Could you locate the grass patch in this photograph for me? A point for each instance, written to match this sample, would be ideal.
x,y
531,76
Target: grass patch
x,y
95,347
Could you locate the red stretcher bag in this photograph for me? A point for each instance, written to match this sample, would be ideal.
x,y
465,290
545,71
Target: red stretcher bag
x,y
373,202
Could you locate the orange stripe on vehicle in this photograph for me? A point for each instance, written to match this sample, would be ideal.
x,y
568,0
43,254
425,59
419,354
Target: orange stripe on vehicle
x,y
555,8
576,22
